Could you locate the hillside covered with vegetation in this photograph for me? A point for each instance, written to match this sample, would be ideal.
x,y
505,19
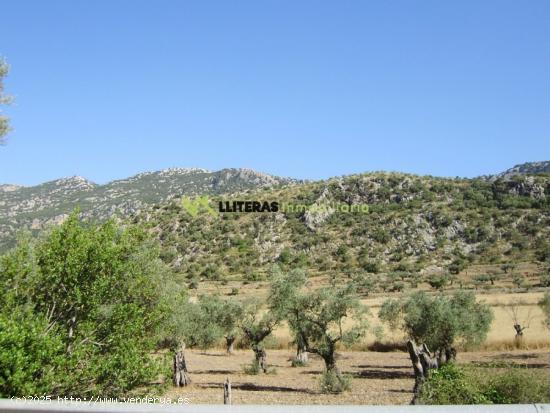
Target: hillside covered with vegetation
x,y
417,229
37,208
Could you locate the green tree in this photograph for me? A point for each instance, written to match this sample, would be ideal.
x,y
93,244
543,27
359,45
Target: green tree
x,y
212,319
457,265
437,282
282,299
323,318
440,321
105,295
4,99
518,280
542,253
256,325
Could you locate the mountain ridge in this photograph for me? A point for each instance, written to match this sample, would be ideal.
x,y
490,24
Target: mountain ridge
x,y
36,207
49,203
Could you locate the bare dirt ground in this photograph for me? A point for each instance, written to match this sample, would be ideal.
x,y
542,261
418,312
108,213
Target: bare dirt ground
x,y
377,378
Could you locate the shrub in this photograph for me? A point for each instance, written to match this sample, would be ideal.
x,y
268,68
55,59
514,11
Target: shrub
x,y
253,276
107,297
544,304
252,368
452,384
298,363
518,386
331,382
28,356
371,266
449,385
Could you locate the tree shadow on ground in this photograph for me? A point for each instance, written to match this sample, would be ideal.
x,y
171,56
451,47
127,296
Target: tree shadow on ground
x,y
311,372
225,371
399,391
257,387
204,353
515,356
373,366
383,374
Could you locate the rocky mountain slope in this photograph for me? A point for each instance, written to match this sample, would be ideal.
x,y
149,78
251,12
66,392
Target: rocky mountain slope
x,y
49,203
528,168
418,198
416,227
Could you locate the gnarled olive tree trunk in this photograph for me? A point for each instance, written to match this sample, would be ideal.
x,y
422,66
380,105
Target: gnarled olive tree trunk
x,y
328,354
423,361
330,365
229,341
260,357
255,338
301,354
181,376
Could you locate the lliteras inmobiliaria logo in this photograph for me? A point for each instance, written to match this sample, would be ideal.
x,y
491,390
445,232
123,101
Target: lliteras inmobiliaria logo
x,y
202,203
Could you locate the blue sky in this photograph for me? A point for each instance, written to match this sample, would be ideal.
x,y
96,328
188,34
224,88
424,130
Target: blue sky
x,y
309,89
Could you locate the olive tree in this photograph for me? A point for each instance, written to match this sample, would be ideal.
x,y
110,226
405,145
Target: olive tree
x,y
321,319
282,299
259,318
200,324
441,321
257,323
438,323
211,319
520,323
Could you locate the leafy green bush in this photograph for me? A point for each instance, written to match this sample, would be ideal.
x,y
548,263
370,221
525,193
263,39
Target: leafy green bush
x,y
452,384
97,297
252,368
331,382
298,363
518,386
437,282
29,357
449,385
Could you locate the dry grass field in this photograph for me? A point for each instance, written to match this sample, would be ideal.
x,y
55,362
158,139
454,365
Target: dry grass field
x,y
377,378
501,334
500,337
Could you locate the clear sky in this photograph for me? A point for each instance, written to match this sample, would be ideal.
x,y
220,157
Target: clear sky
x,y
309,89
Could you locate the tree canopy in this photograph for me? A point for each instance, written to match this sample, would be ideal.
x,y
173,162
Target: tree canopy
x,y
439,321
82,309
320,319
